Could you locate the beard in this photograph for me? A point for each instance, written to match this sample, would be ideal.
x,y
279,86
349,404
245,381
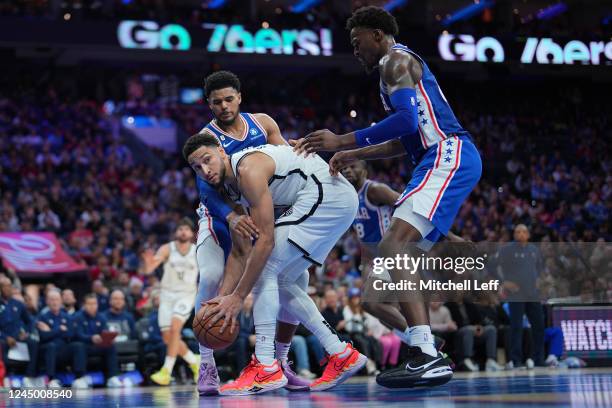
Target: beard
x,y
182,239
221,177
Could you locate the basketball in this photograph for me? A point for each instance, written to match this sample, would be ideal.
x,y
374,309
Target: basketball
x,y
212,338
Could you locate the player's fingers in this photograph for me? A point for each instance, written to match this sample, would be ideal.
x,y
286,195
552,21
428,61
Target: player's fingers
x,y
251,227
207,312
226,321
215,318
313,134
210,310
243,232
300,149
213,300
296,143
233,325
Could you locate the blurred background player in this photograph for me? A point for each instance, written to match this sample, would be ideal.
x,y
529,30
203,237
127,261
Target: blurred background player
x,y
178,291
448,166
236,131
376,201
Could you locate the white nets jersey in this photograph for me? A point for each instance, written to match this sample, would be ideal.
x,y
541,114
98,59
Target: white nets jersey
x,y
180,271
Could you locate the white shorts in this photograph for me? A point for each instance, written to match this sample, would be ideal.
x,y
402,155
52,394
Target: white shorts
x,y
174,305
406,213
323,212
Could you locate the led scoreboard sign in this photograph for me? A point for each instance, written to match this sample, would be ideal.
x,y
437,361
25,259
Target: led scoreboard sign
x,y
224,38
465,47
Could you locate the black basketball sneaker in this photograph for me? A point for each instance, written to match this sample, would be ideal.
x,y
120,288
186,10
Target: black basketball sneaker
x,y
420,370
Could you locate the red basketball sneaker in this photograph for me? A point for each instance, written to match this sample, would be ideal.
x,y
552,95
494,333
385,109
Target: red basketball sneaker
x,y
340,367
256,378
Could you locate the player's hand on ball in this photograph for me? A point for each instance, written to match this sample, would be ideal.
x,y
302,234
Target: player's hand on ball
x,y
317,141
227,308
340,161
244,226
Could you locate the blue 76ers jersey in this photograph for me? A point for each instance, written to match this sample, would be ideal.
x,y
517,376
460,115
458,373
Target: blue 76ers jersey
x,y
436,118
254,135
371,221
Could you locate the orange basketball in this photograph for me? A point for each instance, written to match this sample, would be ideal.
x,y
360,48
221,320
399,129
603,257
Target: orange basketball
x,y
211,337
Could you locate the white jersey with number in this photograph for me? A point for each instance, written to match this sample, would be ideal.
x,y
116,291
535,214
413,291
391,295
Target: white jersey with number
x,y
180,271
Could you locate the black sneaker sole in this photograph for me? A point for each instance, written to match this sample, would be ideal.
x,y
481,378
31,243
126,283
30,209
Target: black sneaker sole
x,y
413,381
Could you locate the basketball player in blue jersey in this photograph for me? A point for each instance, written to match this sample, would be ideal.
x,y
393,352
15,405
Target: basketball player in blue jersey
x,y
235,131
376,201
421,125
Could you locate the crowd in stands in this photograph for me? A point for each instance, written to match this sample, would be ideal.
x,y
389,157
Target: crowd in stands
x,y
64,168
517,18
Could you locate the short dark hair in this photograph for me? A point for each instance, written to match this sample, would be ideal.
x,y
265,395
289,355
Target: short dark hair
x,y
196,141
186,221
90,296
373,17
220,80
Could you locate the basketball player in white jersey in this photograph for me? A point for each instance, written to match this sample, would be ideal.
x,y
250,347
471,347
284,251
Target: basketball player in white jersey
x,y
322,208
178,290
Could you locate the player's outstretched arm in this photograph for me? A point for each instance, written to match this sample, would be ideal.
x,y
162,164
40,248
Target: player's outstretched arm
x,y
152,261
400,72
340,160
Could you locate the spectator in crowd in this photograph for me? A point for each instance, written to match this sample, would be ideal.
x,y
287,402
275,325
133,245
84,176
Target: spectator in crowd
x,y
471,332
334,314
442,324
520,263
390,343
48,220
56,331
16,326
314,348
119,319
356,326
155,342
101,292
135,291
299,347
69,301
88,326
104,271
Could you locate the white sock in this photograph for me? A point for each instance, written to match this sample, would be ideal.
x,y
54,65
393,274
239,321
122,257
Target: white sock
x,y
403,335
420,336
169,363
206,354
282,350
189,357
303,308
264,343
